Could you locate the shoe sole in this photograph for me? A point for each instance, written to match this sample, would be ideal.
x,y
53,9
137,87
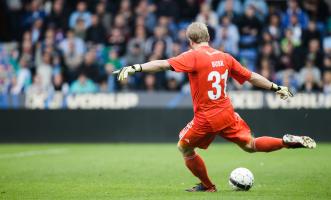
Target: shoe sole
x,y
305,141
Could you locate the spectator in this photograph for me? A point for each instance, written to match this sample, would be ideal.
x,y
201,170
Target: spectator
x,y
267,38
327,63
44,71
293,9
36,30
157,54
140,22
296,29
58,17
327,82
49,39
5,76
59,85
117,41
71,41
37,86
90,66
103,16
249,28
207,16
48,45
23,78
72,60
150,82
316,9
176,49
79,29
249,25
168,24
103,86
83,85
135,55
260,6
163,8
124,85
229,6
138,39
315,53
289,39
121,23
96,33
174,80
273,27
182,40
266,69
125,9
146,12
327,42
288,78
113,59
191,9
310,33
160,35
227,37
80,13
310,84
33,13
267,55
110,77
27,52
310,73
287,59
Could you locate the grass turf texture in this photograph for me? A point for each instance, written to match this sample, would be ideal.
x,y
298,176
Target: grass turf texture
x,y
156,171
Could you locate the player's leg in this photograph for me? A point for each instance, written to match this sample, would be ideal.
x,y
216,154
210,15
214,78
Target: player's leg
x,y
196,165
186,145
268,144
240,133
262,144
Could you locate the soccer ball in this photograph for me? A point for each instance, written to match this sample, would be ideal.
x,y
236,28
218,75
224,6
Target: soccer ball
x,y
241,179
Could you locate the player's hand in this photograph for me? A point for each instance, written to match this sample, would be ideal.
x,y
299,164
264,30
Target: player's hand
x,y
282,91
123,73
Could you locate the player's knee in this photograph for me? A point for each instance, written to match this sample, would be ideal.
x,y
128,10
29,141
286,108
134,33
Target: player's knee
x,y
249,147
184,149
181,147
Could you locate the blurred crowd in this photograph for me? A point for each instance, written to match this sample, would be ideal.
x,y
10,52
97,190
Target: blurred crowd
x,y
74,46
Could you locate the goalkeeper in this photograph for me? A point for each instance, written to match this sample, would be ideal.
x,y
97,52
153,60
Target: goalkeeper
x,y
208,70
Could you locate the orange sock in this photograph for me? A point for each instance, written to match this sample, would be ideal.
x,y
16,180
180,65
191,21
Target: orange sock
x,y
267,144
198,168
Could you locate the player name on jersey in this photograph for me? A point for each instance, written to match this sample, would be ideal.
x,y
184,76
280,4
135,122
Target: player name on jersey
x,y
218,63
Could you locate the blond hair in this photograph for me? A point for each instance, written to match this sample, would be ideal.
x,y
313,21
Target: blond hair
x,y
197,32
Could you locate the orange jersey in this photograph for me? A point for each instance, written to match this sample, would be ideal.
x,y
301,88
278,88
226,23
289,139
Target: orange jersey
x,y
208,70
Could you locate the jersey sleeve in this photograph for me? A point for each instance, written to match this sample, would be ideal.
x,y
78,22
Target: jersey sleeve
x,y
184,62
238,72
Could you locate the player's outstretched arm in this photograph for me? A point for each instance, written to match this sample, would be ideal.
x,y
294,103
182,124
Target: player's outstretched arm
x,y
259,81
152,66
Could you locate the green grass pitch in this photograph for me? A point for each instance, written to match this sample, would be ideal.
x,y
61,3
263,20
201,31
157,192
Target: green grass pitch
x,y
156,171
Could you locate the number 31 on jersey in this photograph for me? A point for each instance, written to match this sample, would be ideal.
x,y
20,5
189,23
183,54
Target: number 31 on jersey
x,y
216,77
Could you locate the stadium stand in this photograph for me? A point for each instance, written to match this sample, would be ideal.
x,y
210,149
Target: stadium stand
x,y
73,46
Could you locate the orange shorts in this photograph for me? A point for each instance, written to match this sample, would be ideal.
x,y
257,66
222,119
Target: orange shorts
x,y
238,132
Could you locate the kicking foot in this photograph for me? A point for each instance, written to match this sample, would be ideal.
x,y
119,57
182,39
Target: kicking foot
x,y
200,188
293,141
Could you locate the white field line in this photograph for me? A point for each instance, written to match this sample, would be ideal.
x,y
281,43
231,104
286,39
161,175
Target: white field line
x,y
33,153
